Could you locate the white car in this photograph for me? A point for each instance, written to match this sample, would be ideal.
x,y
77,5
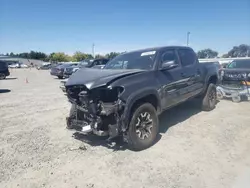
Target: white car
x,y
15,65
24,66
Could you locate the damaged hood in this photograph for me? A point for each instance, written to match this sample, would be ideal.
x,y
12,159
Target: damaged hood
x,y
236,74
93,78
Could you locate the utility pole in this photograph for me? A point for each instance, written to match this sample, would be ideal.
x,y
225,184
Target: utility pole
x,y
93,50
188,33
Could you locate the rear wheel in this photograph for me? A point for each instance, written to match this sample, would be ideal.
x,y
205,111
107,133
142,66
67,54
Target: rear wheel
x,y
143,127
209,99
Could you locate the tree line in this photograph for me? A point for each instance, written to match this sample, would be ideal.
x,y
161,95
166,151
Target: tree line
x,y
242,50
60,56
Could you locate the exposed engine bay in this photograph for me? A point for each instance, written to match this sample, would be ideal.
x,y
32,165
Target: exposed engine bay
x,y
98,110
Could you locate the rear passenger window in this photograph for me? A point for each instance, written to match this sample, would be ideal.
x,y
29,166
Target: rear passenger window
x,y
187,57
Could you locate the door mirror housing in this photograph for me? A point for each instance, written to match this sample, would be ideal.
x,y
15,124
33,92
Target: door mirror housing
x,y
168,65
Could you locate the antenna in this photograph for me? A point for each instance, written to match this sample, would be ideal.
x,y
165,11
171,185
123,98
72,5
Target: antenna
x,y
188,33
93,50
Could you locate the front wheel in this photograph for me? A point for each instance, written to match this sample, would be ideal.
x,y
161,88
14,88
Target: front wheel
x,y
60,77
72,115
210,98
143,127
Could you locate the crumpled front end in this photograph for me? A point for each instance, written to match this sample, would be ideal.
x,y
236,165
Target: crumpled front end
x,y
62,86
98,110
234,85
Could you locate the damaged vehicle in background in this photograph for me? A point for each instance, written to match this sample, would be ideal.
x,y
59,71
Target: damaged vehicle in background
x,y
127,95
235,81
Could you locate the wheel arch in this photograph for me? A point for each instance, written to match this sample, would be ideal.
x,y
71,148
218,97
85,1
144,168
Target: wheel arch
x,y
142,96
210,79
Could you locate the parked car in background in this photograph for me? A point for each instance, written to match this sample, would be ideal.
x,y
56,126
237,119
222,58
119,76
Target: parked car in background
x,y
85,62
59,70
22,65
91,63
4,71
127,95
70,70
96,63
45,66
235,80
15,65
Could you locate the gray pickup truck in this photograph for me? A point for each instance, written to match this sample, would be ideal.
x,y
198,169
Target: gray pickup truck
x,y
127,95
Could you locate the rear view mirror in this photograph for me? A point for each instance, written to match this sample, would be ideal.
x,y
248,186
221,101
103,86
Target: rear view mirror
x,y
168,65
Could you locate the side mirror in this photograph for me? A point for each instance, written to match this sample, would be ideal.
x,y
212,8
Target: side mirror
x,y
168,65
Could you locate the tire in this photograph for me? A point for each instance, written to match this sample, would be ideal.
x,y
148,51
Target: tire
x,y
60,77
146,137
208,102
72,115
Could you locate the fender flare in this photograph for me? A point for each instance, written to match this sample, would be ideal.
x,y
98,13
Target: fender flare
x,y
207,79
131,100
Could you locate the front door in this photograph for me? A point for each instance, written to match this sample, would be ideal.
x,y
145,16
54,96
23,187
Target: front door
x,y
172,82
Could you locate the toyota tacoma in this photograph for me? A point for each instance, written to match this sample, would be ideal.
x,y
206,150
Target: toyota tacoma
x,y
127,95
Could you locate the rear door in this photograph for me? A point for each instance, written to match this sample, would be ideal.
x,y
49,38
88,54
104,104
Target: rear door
x,y
191,72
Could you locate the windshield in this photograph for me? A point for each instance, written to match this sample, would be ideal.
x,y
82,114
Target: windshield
x,y
240,64
133,60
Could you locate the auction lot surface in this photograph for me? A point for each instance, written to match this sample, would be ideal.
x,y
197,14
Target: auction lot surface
x,y
196,149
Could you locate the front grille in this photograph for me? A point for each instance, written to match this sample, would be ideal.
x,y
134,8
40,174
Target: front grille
x,y
235,76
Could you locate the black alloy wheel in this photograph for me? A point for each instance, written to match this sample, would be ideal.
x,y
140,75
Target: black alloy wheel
x,y
143,127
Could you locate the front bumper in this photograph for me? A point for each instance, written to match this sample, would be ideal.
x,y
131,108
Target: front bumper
x,y
234,93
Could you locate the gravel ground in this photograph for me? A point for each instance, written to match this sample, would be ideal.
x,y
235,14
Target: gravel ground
x,y
195,149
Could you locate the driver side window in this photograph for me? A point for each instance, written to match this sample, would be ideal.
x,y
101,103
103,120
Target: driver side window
x,y
168,56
